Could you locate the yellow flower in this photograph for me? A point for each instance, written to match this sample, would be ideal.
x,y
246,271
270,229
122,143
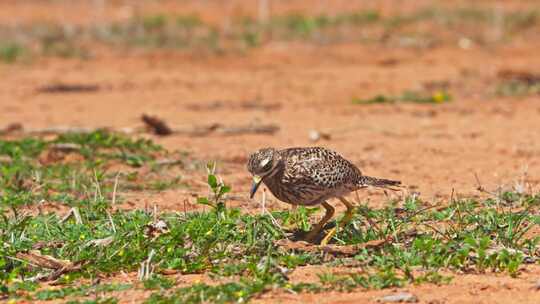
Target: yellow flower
x,y
82,237
439,97
240,293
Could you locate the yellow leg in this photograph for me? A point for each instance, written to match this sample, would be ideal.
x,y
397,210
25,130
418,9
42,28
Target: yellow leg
x,y
346,219
349,213
320,225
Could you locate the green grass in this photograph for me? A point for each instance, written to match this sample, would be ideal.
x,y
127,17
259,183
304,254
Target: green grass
x,y
189,32
422,239
11,52
34,169
407,96
517,88
78,291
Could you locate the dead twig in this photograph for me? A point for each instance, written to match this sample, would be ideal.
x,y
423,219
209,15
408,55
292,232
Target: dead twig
x,y
12,128
481,188
250,129
68,88
197,130
156,125
59,267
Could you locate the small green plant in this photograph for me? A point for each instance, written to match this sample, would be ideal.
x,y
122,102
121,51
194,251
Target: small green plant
x,y
513,88
80,291
158,282
189,22
218,188
154,22
407,96
412,241
11,52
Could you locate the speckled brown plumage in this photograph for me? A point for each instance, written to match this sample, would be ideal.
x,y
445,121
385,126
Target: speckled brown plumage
x,y
309,176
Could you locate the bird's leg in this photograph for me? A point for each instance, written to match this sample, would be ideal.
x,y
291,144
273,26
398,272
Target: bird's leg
x,y
349,213
311,235
346,219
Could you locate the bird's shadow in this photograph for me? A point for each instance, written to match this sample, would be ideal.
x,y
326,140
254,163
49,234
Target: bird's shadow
x,y
300,235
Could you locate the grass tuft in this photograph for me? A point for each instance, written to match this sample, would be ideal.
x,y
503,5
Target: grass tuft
x,y
407,96
239,253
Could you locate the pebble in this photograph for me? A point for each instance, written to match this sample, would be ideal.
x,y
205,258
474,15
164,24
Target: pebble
x,y
403,297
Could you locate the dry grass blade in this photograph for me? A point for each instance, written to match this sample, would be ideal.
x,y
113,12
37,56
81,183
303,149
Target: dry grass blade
x,y
147,269
5,159
75,213
65,147
58,130
101,242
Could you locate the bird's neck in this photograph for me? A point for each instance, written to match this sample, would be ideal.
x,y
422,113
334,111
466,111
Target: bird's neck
x,y
275,175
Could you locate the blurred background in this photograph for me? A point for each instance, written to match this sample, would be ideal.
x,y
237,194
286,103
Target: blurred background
x,y
440,94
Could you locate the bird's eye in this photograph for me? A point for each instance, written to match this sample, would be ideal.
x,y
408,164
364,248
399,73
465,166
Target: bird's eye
x,y
267,166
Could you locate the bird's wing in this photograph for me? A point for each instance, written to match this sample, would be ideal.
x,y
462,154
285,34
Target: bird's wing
x,y
319,168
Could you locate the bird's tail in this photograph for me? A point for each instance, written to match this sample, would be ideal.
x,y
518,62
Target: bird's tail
x,y
377,182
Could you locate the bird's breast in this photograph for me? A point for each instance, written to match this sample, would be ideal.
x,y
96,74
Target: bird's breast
x,y
280,191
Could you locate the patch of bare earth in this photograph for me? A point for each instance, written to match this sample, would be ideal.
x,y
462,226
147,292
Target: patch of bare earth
x,y
465,288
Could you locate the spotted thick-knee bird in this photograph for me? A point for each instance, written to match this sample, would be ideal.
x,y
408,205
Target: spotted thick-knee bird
x,y
310,176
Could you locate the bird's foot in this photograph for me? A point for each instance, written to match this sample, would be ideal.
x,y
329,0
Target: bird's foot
x,y
315,236
310,236
329,235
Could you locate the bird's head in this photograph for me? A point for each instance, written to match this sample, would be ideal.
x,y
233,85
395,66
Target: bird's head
x,y
262,164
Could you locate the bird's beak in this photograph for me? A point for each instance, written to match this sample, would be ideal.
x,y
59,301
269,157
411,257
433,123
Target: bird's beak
x,y
256,183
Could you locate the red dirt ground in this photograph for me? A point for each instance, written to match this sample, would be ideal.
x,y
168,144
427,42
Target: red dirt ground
x,y
434,149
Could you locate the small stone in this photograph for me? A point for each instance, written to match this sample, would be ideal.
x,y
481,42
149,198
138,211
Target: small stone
x,y
315,135
465,43
403,297
536,285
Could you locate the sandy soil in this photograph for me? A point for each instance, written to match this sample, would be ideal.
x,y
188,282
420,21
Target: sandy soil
x,y
434,149
468,288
